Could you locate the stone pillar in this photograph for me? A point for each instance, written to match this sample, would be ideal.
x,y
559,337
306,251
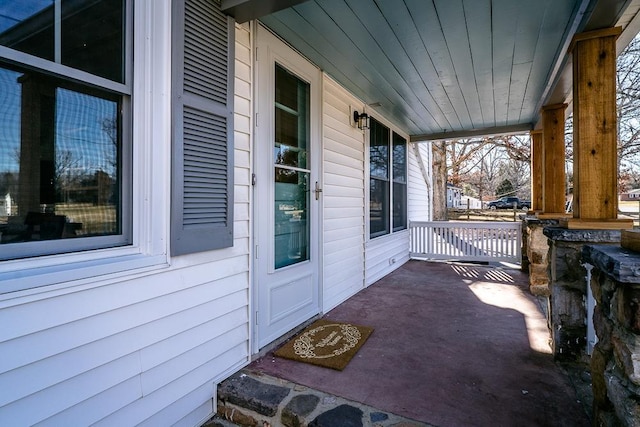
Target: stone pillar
x,y
615,362
537,164
553,175
568,288
535,250
595,166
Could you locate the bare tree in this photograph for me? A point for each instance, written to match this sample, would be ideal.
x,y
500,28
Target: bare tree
x,y
66,167
462,156
628,104
453,162
440,172
482,163
488,170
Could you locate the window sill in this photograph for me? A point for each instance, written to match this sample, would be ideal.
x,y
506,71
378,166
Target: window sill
x,y
65,277
386,236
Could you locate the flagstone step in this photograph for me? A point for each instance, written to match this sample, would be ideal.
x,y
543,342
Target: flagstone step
x,y
251,399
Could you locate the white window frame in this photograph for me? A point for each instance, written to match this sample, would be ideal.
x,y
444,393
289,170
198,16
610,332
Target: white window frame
x,y
149,183
392,129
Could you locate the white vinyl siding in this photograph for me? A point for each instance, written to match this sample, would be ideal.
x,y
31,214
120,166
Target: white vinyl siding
x,y
144,348
385,254
343,198
419,190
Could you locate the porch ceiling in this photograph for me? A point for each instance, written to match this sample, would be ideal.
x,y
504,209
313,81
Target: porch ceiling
x,y
448,68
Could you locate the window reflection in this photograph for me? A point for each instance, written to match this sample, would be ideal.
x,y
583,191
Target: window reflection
x,y
59,159
399,164
379,190
388,181
379,150
27,26
399,158
291,217
291,120
90,35
378,207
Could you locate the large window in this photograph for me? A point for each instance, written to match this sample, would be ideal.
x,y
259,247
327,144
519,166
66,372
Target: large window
x,y
64,108
399,168
387,180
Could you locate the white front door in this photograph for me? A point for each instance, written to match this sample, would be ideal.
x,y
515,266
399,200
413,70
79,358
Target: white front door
x,y
287,196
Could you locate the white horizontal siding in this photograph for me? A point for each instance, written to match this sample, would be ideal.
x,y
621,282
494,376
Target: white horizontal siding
x,y
147,348
48,371
141,409
418,192
385,254
343,197
116,325
172,414
196,417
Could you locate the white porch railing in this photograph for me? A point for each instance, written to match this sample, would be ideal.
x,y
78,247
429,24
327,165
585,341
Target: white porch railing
x,y
466,241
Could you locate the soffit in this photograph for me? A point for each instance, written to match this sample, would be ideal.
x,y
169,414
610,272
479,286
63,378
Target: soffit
x,y
446,67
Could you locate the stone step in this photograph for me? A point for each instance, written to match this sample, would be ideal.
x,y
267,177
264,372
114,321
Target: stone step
x,y
252,399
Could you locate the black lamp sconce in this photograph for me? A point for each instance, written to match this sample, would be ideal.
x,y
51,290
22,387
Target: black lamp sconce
x,y
362,120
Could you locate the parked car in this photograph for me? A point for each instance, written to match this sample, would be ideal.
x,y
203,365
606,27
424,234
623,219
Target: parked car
x,y
509,203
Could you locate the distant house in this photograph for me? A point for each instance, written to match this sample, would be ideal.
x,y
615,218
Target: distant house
x,y
6,205
471,202
630,195
454,196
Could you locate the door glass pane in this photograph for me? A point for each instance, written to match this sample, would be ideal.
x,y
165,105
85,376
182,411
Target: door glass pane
x,y
291,204
291,217
292,118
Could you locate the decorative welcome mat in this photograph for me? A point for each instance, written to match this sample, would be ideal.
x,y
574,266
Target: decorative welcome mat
x,y
326,343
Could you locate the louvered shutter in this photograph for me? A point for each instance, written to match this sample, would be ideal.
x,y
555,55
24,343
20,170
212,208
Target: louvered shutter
x,y
202,157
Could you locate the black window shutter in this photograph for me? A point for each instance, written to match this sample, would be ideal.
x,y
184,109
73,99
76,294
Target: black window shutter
x,y
202,152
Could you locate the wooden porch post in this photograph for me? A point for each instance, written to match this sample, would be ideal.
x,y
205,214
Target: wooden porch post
x,y
537,162
553,175
595,166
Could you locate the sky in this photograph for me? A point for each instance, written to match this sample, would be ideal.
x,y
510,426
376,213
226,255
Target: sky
x,y
14,11
79,126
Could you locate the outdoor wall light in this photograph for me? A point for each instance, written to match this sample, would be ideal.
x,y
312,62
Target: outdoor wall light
x,y
362,120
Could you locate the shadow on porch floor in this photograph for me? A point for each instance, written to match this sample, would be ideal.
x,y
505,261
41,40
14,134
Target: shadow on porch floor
x,y
453,345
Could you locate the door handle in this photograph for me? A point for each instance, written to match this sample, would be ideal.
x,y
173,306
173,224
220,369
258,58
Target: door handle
x,y
317,190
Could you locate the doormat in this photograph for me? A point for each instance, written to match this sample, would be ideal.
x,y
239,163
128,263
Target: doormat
x,y
326,343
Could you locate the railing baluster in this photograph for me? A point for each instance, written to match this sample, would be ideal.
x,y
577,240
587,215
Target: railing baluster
x,y
469,241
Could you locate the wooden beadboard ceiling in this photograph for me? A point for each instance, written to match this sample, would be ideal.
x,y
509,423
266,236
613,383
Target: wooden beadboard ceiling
x,y
446,67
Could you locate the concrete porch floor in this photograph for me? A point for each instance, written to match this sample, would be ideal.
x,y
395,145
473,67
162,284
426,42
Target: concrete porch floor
x,y
453,345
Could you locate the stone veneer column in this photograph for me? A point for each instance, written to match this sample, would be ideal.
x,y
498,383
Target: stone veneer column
x,y
568,288
535,250
615,363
